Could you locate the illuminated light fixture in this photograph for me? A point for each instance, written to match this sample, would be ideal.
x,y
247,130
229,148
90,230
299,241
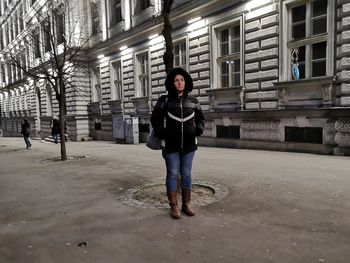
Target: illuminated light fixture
x,y
152,36
194,20
123,48
100,56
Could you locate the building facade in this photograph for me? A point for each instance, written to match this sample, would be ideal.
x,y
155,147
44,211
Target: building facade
x,y
270,74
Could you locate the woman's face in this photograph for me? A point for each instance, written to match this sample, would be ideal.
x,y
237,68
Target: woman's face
x,y
179,83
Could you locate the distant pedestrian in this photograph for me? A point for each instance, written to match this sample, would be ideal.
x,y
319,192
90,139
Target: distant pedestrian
x,y
55,128
184,122
25,131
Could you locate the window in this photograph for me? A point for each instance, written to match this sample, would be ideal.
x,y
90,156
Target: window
x,y
7,36
142,5
3,73
95,17
2,44
15,25
142,75
18,69
308,39
180,57
20,18
116,80
116,12
96,85
36,42
9,74
47,37
228,55
23,63
10,26
48,101
60,29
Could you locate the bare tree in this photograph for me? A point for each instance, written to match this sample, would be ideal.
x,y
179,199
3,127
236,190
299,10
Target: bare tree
x,y
168,56
55,52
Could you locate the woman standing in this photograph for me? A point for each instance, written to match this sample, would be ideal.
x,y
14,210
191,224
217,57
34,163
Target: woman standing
x,y
184,121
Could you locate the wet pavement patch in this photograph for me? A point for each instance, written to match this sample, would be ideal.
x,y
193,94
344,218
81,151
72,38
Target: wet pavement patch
x,y
154,195
6,149
58,158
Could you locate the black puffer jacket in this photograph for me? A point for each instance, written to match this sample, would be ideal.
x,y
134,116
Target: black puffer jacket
x,y
184,117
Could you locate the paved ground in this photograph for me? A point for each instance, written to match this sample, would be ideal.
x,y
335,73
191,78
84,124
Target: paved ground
x,y
281,207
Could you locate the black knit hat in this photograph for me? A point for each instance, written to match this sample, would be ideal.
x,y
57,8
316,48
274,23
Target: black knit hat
x,y
169,82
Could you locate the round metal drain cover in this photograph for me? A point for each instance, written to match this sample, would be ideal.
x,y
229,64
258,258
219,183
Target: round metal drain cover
x,y
154,195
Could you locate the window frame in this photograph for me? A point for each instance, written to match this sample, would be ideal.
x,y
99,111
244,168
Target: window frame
x,y
308,41
216,59
96,93
138,85
178,42
114,22
60,26
142,6
36,43
116,93
95,14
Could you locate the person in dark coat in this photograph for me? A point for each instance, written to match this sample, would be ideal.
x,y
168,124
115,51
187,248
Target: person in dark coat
x,y
55,128
184,121
25,131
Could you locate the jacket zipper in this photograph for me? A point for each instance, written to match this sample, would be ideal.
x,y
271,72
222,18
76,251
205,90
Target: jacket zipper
x,y
182,126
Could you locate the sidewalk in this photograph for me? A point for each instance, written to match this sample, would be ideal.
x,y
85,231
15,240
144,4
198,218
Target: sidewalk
x,y
281,207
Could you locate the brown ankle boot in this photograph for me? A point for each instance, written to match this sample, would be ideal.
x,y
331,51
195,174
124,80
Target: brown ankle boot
x,y
186,199
174,209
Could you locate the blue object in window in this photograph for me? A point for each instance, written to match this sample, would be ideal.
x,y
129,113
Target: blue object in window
x,y
295,71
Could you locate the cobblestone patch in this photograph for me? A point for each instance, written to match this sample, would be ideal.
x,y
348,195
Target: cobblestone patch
x,y
154,195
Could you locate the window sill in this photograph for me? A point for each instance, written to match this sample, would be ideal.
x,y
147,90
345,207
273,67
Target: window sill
x,y
307,93
142,105
116,106
94,108
226,99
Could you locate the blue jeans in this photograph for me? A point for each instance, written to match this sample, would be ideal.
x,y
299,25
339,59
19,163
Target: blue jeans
x,y
178,164
55,137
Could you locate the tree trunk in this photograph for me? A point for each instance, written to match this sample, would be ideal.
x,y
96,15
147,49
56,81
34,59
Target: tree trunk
x,y
62,103
168,56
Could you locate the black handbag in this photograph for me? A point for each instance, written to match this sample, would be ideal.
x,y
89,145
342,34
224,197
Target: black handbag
x,y
153,142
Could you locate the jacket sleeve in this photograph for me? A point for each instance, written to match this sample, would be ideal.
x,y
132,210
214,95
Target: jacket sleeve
x,y
199,120
157,118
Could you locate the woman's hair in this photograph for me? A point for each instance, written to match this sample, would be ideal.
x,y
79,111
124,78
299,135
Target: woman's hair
x,y
169,81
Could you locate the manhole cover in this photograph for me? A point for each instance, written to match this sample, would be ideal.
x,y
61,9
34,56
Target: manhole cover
x,y
154,195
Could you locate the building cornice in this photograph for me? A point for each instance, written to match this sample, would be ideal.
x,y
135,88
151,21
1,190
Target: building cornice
x,y
179,17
